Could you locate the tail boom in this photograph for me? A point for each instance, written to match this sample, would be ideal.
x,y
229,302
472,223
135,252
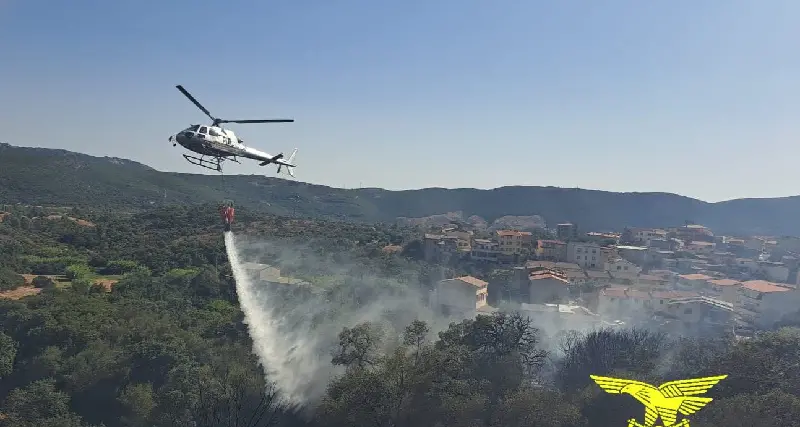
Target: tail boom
x,y
289,165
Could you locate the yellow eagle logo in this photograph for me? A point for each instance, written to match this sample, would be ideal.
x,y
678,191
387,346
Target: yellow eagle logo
x,y
665,401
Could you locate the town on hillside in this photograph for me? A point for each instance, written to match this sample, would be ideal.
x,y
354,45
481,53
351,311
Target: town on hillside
x,y
682,279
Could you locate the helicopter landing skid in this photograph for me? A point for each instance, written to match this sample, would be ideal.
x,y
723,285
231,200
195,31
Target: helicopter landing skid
x,y
214,165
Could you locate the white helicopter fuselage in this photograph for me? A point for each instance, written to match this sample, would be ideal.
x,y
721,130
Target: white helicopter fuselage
x,y
220,142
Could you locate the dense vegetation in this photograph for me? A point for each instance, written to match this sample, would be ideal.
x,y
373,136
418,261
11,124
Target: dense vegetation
x,y
167,346
57,177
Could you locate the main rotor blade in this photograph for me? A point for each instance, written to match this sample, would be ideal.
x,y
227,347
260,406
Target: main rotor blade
x,y
259,121
191,98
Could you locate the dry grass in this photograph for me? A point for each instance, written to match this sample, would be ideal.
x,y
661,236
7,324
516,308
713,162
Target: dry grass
x,y
106,283
21,292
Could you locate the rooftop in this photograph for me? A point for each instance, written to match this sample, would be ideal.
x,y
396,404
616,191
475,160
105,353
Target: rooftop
x,y
764,286
548,274
513,233
620,292
704,300
553,265
725,282
695,276
474,281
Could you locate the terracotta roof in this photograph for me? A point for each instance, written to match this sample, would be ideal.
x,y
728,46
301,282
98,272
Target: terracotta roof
x,y
763,286
548,275
474,281
638,294
512,233
695,277
725,282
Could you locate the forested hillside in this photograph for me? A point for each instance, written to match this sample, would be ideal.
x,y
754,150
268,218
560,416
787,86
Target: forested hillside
x,y
57,177
166,345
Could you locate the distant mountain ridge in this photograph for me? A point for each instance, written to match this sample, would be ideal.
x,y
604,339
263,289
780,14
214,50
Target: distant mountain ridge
x,y
42,176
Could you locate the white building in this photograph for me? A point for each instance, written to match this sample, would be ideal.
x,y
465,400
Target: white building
x,y
586,255
769,301
618,265
463,295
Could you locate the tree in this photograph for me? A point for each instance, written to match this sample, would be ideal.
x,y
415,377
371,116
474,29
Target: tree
x,y
9,279
358,346
8,352
43,282
39,405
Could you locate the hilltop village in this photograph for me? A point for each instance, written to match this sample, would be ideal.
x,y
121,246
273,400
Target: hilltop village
x,y
685,279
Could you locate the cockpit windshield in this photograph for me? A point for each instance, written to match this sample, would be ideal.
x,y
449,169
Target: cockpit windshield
x,y
193,128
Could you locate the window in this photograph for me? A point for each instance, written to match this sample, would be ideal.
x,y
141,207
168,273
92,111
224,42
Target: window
x,y
687,311
578,250
203,129
213,132
193,128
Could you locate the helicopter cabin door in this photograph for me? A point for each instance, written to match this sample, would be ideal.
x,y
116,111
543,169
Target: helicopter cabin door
x,y
216,136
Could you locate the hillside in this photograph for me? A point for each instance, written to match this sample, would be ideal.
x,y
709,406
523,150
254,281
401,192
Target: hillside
x,y
57,177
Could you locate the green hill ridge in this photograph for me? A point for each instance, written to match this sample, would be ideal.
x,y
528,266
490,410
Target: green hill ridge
x,y
41,176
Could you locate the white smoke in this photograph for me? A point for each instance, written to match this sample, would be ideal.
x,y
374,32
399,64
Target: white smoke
x,y
274,343
295,333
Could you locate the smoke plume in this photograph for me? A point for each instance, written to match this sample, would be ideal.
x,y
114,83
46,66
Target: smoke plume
x,y
295,326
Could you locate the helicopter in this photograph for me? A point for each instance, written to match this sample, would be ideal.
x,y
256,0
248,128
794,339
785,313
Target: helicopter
x,y
216,144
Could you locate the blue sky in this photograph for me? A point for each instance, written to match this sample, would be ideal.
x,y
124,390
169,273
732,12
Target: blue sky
x,y
694,97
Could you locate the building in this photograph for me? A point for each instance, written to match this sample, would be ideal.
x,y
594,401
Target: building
x,y
652,280
267,274
726,289
747,264
775,271
438,247
586,255
512,242
484,250
694,233
566,231
547,286
701,248
660,244
562,317
646,235
635,254
697,312
769,302
551,250
632,303
622,265
461,295
694,281
597,237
